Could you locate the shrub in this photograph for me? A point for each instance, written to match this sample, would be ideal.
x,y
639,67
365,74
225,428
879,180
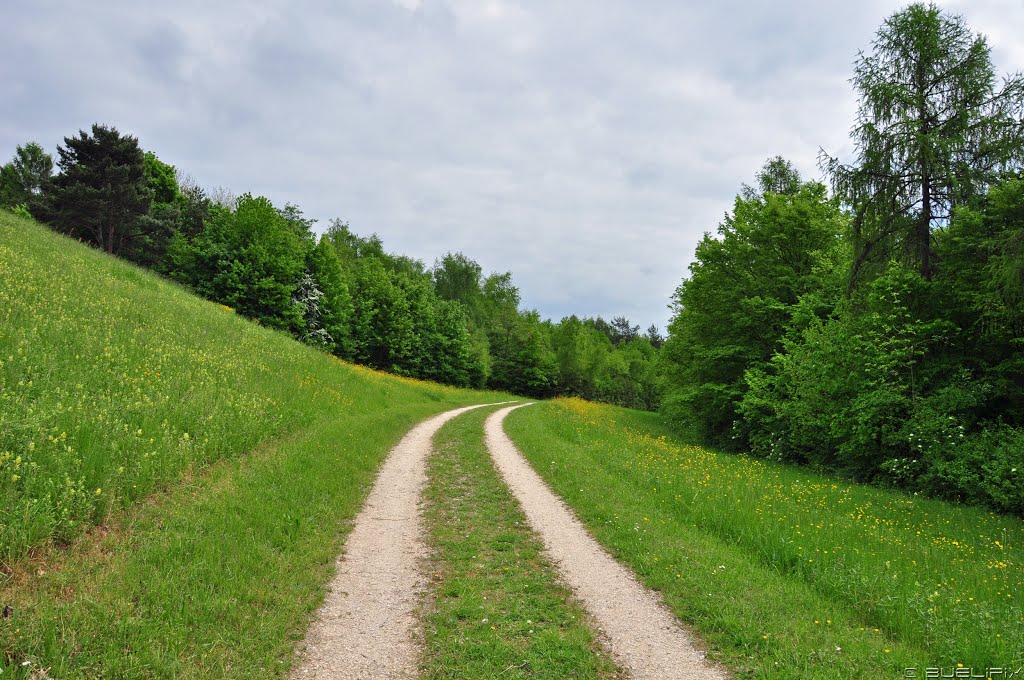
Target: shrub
x,y
986,468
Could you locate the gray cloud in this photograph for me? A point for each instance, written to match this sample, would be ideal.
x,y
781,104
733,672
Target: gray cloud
x,y
585,146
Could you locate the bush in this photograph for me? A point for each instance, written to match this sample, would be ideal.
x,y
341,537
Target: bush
x,y
986,468
21,210
843,392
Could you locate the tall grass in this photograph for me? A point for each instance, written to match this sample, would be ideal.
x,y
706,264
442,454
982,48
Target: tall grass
x,y
943,582
251,452
113,382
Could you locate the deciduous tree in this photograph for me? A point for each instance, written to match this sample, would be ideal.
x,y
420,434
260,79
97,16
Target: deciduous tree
x,y
24,178
733,310
933,130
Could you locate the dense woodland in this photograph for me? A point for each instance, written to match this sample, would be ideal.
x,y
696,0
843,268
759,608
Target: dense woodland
x,y
873,327
878,330
337,290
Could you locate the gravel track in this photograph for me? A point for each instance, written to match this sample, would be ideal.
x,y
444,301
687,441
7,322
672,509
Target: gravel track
x,y
643,636
366,627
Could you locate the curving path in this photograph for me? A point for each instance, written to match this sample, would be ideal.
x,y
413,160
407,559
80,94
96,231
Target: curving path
x,y
645,639
366,627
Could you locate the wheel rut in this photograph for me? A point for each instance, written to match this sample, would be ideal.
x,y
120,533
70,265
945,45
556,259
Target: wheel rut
x,y
643,636
366,627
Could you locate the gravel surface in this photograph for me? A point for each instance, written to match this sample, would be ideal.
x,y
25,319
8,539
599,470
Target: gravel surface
x,y
366,627
644,638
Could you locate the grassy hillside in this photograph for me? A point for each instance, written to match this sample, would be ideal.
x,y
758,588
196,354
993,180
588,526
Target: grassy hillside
x,y
249,449
784,572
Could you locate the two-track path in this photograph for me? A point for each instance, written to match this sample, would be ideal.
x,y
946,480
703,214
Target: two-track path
x,y
367,626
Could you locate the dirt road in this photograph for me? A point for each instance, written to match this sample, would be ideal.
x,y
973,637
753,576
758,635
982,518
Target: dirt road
x,y
645,639
366,627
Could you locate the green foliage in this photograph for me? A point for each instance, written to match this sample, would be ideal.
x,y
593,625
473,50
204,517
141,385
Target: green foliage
x,y
623,331
842,392
918,377
194,210
21,211
457,277
522,361
734,308
986,468
655,337
161,179
164,219
382,327
590,366
336,307
913,381
101,196
579,350
982,272
932,131
448,348
251,259
480,356
24,178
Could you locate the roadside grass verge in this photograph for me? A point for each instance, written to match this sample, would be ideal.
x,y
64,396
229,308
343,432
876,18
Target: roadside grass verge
x,y
213,464
495,608
786,573
219,576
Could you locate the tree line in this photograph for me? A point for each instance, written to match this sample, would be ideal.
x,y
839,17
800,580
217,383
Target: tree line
x,y
877,331
872,327
338,291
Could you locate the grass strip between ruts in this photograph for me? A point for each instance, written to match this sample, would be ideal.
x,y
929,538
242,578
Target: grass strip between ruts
x,y
496,608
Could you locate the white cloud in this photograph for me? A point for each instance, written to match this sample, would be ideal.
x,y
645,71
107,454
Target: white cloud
x,y
585,146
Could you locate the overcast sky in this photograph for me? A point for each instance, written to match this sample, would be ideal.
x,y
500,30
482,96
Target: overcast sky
x,y
583,145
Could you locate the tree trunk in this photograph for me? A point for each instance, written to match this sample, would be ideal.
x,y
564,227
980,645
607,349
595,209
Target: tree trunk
x,y
924,233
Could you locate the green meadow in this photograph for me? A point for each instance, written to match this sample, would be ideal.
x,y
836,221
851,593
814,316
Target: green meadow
x,y
175,481
783,572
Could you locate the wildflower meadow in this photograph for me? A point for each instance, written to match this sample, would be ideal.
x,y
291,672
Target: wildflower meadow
x,y
781,568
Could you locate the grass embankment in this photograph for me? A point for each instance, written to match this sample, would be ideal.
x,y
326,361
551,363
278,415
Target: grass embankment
x,y
495,609
249,450
786,573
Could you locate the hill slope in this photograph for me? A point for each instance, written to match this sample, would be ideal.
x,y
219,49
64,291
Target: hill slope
x,y
116,386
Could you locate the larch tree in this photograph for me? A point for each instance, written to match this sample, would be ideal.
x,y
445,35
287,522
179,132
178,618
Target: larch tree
x,y
933,130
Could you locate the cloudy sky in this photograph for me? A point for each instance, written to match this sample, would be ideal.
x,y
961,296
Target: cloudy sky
x,y
583,145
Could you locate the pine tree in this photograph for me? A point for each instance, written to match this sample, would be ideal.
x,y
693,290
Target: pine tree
x,y
101,193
